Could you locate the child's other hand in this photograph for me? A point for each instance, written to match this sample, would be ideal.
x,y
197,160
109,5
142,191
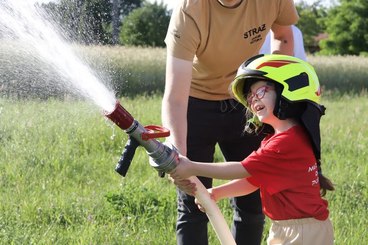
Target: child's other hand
x,y
200,207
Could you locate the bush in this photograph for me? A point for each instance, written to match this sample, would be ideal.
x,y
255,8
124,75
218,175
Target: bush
x,y
145,26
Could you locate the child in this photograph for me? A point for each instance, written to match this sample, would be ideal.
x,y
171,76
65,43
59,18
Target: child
x,y
282,94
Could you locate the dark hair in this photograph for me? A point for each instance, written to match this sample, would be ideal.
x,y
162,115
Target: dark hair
x,y
324,183
253,126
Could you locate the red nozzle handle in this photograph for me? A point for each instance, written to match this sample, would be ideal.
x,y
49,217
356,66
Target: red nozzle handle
x,y
154,131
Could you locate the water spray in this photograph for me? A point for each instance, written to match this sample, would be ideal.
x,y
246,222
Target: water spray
x,y
27,24
164,158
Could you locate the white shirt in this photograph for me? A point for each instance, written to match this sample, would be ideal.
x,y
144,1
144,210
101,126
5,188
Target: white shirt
x,y
299,51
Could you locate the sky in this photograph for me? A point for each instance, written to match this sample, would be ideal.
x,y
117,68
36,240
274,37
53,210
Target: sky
x,y
171,3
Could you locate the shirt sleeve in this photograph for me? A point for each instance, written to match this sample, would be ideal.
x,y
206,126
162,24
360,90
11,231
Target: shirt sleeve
x,y
182,38
288,14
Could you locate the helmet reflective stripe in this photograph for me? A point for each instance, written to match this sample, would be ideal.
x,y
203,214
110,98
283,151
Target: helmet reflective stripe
x,y
275,63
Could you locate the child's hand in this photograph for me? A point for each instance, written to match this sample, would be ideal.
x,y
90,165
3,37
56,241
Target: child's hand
x,y
200,207
183,170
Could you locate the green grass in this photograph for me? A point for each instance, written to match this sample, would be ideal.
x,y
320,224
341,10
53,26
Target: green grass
x,y
58,180
58,184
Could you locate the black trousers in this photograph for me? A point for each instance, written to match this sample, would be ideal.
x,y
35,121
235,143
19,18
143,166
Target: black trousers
x,y
222,123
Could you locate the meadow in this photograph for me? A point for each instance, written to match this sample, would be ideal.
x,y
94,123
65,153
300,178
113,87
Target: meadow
x,y
57,178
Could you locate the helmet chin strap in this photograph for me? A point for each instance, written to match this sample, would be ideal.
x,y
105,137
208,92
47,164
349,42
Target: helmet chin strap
x,y
281,112
280,105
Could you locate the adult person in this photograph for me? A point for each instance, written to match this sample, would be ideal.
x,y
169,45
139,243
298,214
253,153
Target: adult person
x,y
206,41
299,50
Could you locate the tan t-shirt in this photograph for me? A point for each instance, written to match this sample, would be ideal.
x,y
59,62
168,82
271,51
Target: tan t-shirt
x,y
218,39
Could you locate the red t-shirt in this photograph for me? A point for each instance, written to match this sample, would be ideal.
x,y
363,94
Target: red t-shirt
x,y
285,170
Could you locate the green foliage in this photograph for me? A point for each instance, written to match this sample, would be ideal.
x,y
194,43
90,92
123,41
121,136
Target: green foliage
x,y
120,9
127,6
311,23
89,22
98,22
81,21
347,26
94,15
146,26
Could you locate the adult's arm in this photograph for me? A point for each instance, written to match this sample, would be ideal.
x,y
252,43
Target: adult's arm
x,y
175,100
282,40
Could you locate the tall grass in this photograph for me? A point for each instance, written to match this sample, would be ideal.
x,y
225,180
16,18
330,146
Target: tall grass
x,y
58,184
341,73
132,71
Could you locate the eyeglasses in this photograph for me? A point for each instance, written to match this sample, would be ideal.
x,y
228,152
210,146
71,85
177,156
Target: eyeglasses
x,y
259,94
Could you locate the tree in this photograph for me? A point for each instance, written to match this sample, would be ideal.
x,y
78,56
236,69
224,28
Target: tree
x,y
146,26
95,15
311,23
82,21
90,21
347,26
120,9
115,14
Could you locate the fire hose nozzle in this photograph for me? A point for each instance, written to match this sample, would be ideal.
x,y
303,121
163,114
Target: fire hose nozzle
x,y
163,157
120,116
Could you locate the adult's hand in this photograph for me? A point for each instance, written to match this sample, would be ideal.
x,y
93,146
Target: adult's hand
x,y
185,185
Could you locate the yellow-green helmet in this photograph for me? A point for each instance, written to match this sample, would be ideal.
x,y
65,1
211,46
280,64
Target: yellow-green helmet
x,y
297,88
297,77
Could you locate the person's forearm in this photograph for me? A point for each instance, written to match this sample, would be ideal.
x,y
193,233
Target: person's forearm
x,y
174,118
175,100
282,40
225,170
235,188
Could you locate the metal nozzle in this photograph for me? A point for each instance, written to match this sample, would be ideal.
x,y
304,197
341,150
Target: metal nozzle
x,y
163,158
